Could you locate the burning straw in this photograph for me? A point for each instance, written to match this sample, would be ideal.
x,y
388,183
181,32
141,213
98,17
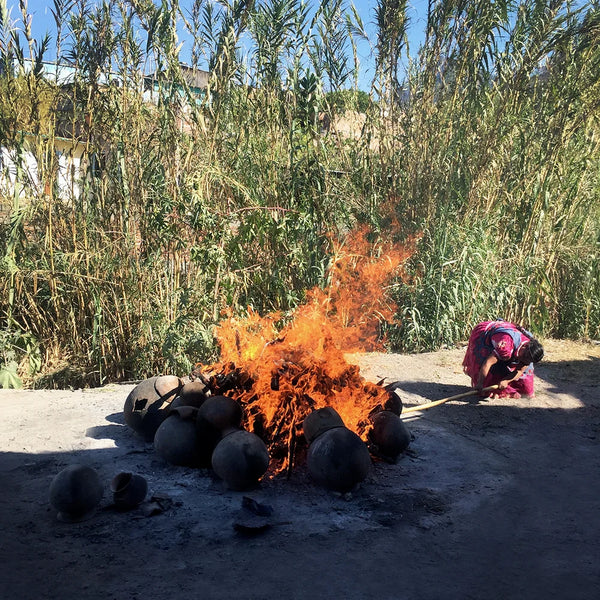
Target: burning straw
x,y
280,374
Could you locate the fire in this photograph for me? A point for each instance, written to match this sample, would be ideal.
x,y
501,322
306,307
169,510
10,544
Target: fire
x,y
280,373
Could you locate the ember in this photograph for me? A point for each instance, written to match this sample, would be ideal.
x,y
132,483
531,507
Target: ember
x,y
280,373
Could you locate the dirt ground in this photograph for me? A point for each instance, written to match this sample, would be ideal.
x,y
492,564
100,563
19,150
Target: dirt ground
x,y
495,499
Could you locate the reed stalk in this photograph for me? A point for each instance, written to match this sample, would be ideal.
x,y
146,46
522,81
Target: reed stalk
x,y
483,142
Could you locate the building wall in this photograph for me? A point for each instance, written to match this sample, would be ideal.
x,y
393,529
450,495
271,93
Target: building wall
x,y
21,175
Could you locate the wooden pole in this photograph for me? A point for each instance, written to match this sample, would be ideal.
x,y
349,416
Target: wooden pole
x,y
419,407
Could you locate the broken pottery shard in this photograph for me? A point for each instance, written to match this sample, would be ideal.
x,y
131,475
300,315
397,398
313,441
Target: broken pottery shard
x,y
248,523
253,517
263,510
157,504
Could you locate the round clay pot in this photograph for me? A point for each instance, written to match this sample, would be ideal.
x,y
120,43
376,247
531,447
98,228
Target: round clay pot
x,y
240,459
75,492
168,386
193,393
221,412
389,434
338,460
148,403
129,490
319,421
176,439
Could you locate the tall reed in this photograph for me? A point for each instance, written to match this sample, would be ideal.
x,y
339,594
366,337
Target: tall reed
x,y
484,143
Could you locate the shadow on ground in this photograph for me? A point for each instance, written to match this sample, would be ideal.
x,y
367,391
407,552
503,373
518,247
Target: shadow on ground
x,y
492,500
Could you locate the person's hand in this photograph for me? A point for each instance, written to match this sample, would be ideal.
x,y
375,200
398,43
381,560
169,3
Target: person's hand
x,y
502,385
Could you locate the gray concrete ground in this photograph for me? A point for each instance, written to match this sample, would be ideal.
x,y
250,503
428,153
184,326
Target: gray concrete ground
x,y
495,499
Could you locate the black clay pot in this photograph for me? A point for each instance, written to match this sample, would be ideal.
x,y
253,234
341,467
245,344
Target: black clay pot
x,y
75,492
240,459
338,460
221,412
176,439
389,435
168,386
216,415
319,421
192,393
148,403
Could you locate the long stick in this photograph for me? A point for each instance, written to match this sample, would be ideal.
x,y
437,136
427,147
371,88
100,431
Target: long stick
x,y
437,402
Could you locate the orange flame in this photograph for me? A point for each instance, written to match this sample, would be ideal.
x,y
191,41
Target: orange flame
x,y
291,370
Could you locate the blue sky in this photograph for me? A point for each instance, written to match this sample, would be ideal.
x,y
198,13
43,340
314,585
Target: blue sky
x,y
43,22
417,13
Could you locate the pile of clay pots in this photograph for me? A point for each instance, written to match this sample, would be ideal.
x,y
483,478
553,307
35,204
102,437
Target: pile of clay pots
x,y
338,459
189,427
